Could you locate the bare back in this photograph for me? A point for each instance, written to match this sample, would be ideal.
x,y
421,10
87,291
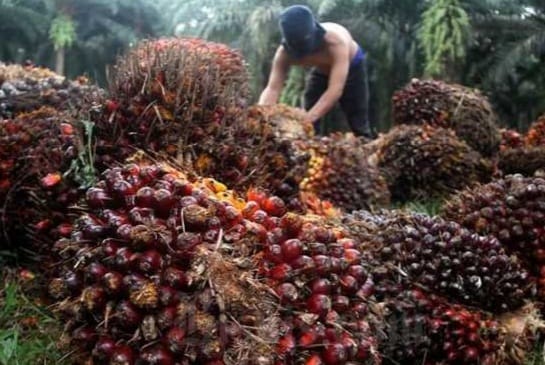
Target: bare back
x,y
322,59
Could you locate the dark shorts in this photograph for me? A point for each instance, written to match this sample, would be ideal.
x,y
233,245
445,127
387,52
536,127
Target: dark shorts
x,y
354,101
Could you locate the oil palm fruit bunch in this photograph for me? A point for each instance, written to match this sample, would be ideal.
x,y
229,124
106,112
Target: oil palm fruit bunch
x,y
164,269
526,160
288,122
422,161
27,88
426,329
462,109
340,173
510,139
443,258
44,162
168,94
513,210
536,134
251,154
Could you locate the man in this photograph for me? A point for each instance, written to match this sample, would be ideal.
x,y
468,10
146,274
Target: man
x,y
338,68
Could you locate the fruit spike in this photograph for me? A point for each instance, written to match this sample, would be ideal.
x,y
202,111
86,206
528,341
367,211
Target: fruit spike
x,y
339,175
466,111
443,257
513,210
421,161
154,290
425,328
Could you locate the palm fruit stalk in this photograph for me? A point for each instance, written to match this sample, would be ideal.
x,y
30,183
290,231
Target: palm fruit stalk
x,y
453,106
422,162
339,173
27,88
426,329
513,210
164,269
185,98
44,163
441,257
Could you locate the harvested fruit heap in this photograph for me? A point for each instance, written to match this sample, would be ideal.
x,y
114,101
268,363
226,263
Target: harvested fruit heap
x,y
164,270
536,133
513,210
453,106
339,173
423,161
522,160
426,329
443,258
288,122
184,98
41,169
27,88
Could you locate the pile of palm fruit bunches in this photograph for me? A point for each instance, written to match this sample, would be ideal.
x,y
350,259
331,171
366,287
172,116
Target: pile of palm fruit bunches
x,y
174,223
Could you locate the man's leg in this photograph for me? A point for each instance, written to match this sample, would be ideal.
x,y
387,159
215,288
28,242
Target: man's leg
x,y
355,101
316,85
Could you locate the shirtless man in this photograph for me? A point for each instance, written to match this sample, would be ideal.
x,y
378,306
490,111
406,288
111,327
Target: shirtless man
x,y
339,68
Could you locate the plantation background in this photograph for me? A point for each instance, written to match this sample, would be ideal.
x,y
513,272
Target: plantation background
x,y
497,46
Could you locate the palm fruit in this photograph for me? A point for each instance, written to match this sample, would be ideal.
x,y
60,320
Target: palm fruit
x,y
27,88
289,122
164,269
442,257
513,210
462,109
510,139
426,329
536,134
340,173
526,160
184,98
43,165
420,162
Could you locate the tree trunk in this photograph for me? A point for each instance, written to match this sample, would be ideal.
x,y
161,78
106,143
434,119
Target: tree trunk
x,y
59,61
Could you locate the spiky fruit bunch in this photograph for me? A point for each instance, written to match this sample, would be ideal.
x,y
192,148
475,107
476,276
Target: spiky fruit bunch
x,y
442,257
423,161
536,134
166,270
513,210
464,110
169,93
289,122
340,173
426,329
40,176
510,139
251,154
27,88
522,160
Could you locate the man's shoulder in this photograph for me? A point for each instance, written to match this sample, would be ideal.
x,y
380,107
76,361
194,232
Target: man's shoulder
x,y
336,33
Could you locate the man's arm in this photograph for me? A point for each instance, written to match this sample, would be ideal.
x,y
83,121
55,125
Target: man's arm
x,y
337,81
279,70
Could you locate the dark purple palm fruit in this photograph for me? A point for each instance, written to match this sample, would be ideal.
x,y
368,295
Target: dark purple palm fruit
x,y
443,257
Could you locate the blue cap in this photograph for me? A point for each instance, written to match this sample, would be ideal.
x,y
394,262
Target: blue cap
x,y
301,33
